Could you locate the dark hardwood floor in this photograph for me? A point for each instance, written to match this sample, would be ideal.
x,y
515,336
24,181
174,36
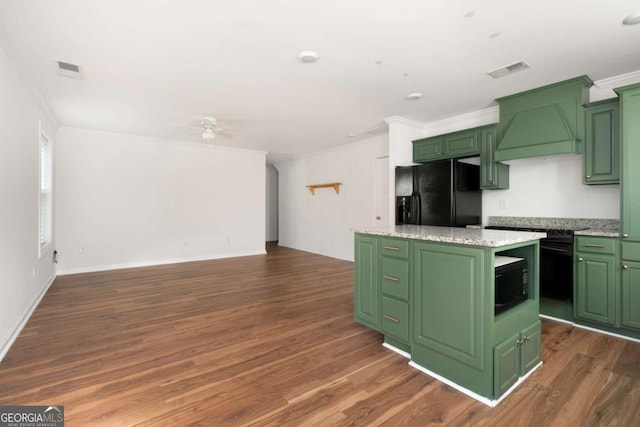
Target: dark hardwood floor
x,y
270,340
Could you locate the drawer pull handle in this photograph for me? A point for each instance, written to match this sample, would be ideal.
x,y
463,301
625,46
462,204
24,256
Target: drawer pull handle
x,y
625,235
393,279
391,248
393,319
588,176
527,338
625,267
520,342
580,259
588,245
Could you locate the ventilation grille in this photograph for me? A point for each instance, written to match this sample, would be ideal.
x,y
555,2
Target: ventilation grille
x,y
67,69
509,69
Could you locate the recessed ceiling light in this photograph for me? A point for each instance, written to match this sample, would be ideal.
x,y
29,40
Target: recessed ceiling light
x,y
308,56
414,96
632,19
352,135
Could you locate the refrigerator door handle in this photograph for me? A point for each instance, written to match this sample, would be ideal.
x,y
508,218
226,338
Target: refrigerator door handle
x,y
415,208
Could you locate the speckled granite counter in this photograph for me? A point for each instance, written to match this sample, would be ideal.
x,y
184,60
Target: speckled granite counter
x,y
460,236
582,226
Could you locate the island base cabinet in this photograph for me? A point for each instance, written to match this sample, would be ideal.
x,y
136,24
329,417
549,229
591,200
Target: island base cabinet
x,y
514,357
631,294
367,286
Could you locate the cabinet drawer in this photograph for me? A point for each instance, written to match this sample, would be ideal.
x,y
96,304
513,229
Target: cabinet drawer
x,y
398,248
395,278
631,251
599,245
395,318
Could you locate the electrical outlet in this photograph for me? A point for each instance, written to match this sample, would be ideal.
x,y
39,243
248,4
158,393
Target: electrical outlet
x,y
503,204
33,273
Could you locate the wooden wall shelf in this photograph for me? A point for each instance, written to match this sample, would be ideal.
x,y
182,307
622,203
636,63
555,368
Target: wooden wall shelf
x,y
334,185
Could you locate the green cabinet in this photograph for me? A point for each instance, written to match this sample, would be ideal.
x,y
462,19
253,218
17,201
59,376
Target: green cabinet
x,y
602,143
493,174
448,301
367,284
630,153
435,302
458,144
596,284
631,294
630,201
516,356
543,121
394,279
480,141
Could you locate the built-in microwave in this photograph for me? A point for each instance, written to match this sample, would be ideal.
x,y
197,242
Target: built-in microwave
x,y
511,283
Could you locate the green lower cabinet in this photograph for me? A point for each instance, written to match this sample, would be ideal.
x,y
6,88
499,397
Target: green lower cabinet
x,y
631,294
596,288
514,357
367,284
395,319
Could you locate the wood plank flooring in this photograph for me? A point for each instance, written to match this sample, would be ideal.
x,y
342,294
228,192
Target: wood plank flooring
x,y
268,341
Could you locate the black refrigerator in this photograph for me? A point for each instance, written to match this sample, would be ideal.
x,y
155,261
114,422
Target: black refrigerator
x,y
445,193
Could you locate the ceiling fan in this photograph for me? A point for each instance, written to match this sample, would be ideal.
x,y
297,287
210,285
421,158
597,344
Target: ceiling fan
x,y
210,129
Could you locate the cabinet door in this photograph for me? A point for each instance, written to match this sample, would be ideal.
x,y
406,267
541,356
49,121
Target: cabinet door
x,y
449,308
428,149
493,175
630,153
595,291
367,287
530,351
631,294
461,144
602,144
506,364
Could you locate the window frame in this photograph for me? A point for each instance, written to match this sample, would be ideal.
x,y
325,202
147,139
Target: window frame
x,y
45,193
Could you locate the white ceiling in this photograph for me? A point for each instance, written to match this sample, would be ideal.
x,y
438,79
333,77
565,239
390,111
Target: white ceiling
x,y
154,66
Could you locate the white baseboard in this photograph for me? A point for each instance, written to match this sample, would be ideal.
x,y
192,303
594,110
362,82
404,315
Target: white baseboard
x,y
12,338
588,328
92,269
396,350
472,394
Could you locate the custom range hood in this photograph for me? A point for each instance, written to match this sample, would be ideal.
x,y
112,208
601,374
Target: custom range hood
x,y
543,121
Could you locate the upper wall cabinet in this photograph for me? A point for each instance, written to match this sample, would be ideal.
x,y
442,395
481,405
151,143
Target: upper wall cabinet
x,y
543,121
458,144
602,143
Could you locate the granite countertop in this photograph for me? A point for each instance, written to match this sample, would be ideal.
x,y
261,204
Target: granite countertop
x,y
600,227
460,236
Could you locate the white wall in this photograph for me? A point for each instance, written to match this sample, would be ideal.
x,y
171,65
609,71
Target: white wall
x,y
126,200
24,276
551,187
322,223
271,203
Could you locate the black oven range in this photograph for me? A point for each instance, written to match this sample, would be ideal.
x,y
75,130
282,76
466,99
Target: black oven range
x,y
556,261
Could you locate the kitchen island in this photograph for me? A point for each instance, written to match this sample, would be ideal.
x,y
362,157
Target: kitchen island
x,y
430,292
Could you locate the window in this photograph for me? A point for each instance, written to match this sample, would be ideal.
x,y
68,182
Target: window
x,y
46,193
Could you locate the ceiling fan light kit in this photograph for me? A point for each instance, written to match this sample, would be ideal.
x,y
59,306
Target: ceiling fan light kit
x,y
208,134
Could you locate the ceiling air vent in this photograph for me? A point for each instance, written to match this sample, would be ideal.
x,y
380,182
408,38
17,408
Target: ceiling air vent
x,y
509,69
67,69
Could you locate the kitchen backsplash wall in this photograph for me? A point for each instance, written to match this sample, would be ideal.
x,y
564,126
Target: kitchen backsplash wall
x,y
551,187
